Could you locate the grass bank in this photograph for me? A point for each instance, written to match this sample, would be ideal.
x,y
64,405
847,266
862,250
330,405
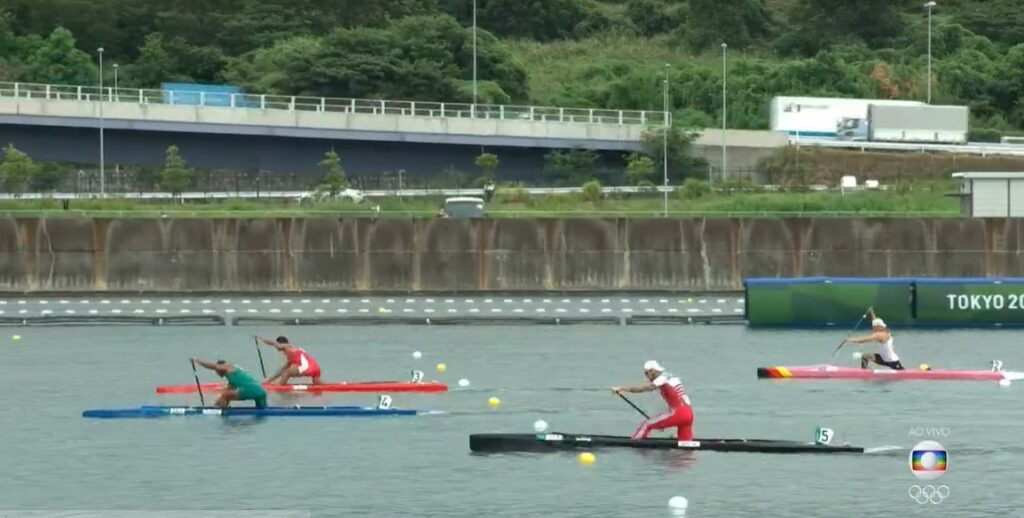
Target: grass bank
x,y
919,200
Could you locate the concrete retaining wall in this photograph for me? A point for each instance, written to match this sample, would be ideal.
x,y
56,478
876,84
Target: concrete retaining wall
x,y
512,254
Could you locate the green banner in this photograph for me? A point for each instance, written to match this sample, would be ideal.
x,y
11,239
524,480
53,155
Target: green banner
x,y
816,302
969,301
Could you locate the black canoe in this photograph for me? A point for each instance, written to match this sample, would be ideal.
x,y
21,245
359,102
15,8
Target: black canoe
x,y
547,442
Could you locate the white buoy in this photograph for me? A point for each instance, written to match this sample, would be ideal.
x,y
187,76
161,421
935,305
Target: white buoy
x,y
678,502
1004,383
463,382
417,355
857,355
540,426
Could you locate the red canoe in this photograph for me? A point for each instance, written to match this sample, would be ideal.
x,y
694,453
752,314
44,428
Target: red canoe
x,y
824,372
354,386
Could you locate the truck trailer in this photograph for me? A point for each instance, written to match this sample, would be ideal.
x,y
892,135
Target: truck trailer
x,y
910,124
819,117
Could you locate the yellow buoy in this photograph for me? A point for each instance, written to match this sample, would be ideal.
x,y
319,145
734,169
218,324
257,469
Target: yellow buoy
x,y
494,402
925,367
16,338
441,367
587,458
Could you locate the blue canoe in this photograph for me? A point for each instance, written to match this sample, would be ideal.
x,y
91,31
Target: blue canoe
x,y
291,411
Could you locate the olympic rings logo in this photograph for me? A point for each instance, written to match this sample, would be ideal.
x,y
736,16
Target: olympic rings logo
x,y
929,493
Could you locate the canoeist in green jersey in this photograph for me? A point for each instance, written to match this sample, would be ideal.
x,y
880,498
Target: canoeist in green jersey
x,y
242,386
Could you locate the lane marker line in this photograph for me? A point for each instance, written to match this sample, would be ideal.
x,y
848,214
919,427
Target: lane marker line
x,y
229,310
428,310
161,311
139,311
275,310
318,310
474,310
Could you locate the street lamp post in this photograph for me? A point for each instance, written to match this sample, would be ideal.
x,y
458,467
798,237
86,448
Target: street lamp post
x,y
664,142
474,56
102,147
725,162
115,82
929,6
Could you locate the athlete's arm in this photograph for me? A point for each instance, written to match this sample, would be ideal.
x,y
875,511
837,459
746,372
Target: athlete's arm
x,y
648,387
275,345
277,374
211,366
860,339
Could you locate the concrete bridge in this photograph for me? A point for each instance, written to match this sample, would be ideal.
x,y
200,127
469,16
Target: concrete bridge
x,y
291,133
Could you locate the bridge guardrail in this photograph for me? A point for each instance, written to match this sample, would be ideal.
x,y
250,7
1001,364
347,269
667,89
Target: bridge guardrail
x,y
334,105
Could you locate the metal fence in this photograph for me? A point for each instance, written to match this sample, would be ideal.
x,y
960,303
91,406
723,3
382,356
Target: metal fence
x,y
332,104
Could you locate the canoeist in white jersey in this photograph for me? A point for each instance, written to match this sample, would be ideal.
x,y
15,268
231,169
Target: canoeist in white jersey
x,y
885,354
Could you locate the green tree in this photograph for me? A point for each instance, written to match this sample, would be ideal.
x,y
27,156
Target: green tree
x,y
571,167
682,163
58,61
334,180
17,169
154,65
415,58
488,163
737,22
639,169
47,177
592,191
653,17
818,24
176,176
541,20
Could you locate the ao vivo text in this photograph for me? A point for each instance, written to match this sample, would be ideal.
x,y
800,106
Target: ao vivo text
x,y
981,302
929,431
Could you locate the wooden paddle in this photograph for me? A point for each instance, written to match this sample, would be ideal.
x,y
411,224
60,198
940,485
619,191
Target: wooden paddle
x,y
199,386
263,368
626,399
841,344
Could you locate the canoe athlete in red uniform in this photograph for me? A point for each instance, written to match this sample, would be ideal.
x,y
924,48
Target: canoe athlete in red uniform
x,y
679,415
299,365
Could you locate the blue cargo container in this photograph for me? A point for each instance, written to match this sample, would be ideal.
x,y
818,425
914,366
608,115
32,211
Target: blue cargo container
x,y
207,95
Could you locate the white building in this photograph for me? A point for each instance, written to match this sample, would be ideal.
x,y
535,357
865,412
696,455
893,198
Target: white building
x,y
991,195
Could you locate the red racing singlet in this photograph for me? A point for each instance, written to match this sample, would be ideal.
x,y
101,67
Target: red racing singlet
x,y
672,391
299,357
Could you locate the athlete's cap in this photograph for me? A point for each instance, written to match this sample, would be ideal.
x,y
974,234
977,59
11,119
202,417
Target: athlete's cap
x,y
282,340
653,366
877,323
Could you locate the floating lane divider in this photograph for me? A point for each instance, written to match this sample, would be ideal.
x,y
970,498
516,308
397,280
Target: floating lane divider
x,y
293,411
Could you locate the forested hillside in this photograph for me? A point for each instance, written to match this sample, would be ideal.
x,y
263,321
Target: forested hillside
x,y
590,53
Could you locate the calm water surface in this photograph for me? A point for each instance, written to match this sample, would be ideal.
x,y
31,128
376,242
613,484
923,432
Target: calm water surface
x,y
421,466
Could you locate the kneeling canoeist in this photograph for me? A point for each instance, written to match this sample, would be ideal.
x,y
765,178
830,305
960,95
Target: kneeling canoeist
x,y
242,386
679,415
299,363
885,354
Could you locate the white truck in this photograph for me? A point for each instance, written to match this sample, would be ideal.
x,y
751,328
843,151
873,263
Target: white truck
x,y
819,117
911,124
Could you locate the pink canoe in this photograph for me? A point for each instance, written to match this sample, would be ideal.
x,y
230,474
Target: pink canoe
x,y
827,372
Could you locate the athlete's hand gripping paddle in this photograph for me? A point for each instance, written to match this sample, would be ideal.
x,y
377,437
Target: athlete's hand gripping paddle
x,y
841,344
199,387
